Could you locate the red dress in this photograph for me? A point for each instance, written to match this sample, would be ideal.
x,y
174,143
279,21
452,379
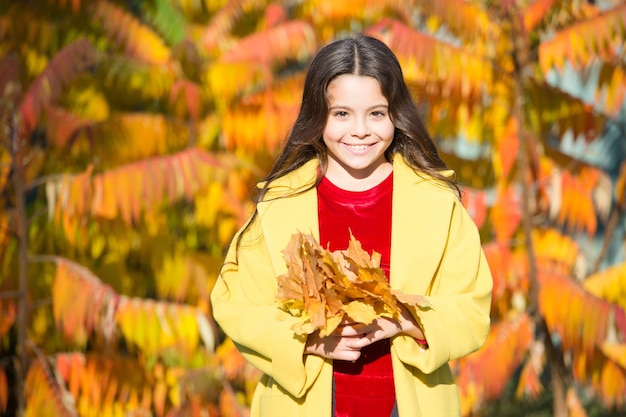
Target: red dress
x,y
365,387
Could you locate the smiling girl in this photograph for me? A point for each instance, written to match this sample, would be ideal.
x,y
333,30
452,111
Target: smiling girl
x,y
359,160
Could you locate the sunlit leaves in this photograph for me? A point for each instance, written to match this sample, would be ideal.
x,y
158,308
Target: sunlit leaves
x,y
534,12
129,190
186,278
72,60
154,326
609,284
556,251
291,40
483,375
217,32
78,316
261,121
599,36
506,215
108,385
507,148
464,19
583,322
130,83
575,204
426,59
475,202
44,397
557,110
148,325
325,288
134,38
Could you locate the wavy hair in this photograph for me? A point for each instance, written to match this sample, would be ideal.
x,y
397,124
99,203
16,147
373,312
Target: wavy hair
x,y
365,56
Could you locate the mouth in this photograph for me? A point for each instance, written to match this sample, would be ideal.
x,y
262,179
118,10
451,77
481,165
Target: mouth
x,y
358,147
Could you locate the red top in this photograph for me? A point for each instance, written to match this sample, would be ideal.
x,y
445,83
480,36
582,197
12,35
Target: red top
x,y
364,387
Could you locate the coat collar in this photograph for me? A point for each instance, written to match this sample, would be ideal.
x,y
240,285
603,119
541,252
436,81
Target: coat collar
x,y
421,214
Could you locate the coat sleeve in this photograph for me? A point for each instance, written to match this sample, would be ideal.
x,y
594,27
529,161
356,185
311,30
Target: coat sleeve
x,y
243,304
457,322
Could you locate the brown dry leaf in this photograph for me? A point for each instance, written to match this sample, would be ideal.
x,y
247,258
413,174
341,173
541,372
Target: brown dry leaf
x,y
411,299
322,288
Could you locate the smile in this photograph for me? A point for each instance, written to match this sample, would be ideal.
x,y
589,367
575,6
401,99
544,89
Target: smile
x,y
358,147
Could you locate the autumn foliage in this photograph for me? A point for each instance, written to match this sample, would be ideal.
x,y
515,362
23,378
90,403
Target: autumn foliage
x,y
132,134
325,288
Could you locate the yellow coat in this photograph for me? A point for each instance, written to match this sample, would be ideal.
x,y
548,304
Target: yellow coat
x,y
435,250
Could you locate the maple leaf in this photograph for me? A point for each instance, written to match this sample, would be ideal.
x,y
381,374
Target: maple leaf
x,y
324,288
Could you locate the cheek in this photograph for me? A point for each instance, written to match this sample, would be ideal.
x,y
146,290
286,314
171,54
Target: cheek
x,y
333,131
387,132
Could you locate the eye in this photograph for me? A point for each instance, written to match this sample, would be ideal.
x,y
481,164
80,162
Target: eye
x,y
378,113
340,113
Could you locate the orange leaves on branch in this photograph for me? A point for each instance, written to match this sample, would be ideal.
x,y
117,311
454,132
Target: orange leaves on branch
x,y
128,190
483,375
475,202
45,395
261,122
185,99
575,203
609,284
557,109
600,36
218,30
136,39
530,385
427,60
506,215
62,125
290,40
324,288
67,64
154,326
507,148
463,18
534,13
149,325
77,315
108,385
555,251
582,320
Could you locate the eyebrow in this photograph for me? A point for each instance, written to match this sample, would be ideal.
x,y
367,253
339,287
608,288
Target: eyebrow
x,y
376,106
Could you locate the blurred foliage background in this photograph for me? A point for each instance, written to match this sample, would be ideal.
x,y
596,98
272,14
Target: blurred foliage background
x,y
133,132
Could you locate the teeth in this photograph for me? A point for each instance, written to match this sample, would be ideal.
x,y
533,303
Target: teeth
x,y
359,147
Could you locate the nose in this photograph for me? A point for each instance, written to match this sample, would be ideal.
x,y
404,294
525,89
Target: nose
x,y
360,129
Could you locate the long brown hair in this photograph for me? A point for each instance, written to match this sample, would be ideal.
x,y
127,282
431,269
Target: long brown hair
x,y
365,56
358,55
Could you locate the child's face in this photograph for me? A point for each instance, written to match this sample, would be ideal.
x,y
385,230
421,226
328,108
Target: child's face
x,y
358,129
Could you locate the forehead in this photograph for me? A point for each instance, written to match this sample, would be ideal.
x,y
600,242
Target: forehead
x,y
354,89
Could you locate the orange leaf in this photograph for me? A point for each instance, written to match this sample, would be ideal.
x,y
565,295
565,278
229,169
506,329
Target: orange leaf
x,y
4,391
506,215
322,288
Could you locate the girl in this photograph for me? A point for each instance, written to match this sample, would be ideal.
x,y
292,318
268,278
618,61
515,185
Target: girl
x,y
359,160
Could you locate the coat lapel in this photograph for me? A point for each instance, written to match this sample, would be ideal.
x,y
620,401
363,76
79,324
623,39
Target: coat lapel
x,y
285,212
421,214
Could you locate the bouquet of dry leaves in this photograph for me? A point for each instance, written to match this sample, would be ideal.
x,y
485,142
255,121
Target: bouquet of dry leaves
x,y
323,288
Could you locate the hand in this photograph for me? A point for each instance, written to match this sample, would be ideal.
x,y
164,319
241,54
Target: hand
x,y
346,342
